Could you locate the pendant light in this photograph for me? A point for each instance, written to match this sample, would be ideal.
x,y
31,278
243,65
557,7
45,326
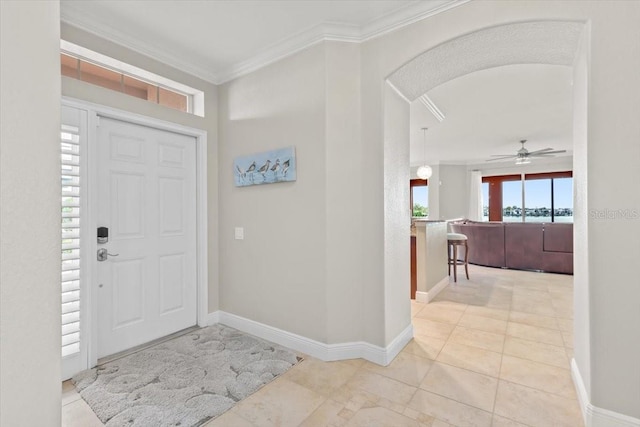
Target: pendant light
x,y
424,171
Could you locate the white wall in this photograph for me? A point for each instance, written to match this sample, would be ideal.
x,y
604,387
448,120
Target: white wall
x,y
30,214
613,132
87,92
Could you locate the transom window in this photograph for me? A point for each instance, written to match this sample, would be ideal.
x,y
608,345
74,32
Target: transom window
x,y
91,67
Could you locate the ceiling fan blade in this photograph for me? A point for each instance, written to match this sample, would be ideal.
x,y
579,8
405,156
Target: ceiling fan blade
x,y
501,158
547,153
503,155
540,151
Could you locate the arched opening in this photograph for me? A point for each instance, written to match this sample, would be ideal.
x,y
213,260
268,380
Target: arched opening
x,y
558,43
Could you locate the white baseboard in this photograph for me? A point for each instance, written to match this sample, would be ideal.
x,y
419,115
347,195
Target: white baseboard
x,y
426,297
422,297
581,390
326,352
211,319
594,416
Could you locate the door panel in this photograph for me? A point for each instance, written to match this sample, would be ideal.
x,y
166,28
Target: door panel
x,y
147,199
171,206
128,292
127,205
126,148
171,283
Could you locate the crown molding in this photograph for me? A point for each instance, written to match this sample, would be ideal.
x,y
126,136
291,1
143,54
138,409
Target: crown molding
x,y
341,33
406,16
291,46
432,107
89,23
329,31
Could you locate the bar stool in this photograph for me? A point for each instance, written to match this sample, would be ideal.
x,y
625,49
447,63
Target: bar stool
x,y
453,241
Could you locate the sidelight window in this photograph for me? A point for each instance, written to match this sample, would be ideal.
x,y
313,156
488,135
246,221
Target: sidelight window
x,y
70,227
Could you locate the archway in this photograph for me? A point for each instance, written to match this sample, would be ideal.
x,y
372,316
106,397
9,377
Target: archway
x,y
539,42
536,42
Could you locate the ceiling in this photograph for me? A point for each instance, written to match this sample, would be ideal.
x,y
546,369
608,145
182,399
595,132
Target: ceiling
x,y
486,112
218,40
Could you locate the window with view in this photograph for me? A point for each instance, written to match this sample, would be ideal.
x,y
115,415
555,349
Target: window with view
x,y
419,198
537,199
543,197
485,201
562,190
512,201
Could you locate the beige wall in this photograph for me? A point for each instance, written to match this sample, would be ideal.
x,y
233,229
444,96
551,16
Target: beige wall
x,y
84,91
555,164
277,275
289,271
397,215
344,179
613,177
614,373
582,326
454,191
300,265
434,192
311,100
29,214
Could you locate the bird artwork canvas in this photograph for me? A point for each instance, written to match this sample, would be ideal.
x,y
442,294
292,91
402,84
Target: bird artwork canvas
x,y
268,167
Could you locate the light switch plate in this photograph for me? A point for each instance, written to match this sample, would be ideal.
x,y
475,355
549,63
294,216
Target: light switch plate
x,y
239,233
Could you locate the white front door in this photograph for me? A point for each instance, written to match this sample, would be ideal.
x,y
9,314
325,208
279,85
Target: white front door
x,y
147,200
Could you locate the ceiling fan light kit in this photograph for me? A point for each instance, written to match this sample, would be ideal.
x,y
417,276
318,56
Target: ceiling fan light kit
x,y
424,171
523,156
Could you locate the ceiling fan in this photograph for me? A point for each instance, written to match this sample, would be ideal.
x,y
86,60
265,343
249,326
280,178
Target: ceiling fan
x,y
523,156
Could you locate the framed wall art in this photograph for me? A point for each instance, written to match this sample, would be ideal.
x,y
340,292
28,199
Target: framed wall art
x,y
268,167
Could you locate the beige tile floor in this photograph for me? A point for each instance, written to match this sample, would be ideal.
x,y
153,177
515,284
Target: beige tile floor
x,y
491,351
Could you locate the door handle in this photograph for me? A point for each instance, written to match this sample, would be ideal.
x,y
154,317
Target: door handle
x,y
103,254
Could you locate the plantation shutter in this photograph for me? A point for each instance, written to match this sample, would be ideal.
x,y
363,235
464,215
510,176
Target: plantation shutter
x,y
70,280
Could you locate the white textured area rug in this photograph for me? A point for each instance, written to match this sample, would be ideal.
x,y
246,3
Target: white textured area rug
x,y
183,382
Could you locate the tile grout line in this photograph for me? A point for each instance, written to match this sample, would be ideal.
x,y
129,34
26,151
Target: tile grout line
x,y
495,397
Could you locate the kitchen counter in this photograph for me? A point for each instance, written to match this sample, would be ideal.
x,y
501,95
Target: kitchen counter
x,y
429,258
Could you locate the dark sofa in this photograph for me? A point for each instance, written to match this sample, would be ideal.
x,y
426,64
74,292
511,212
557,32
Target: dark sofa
x,y
525,246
